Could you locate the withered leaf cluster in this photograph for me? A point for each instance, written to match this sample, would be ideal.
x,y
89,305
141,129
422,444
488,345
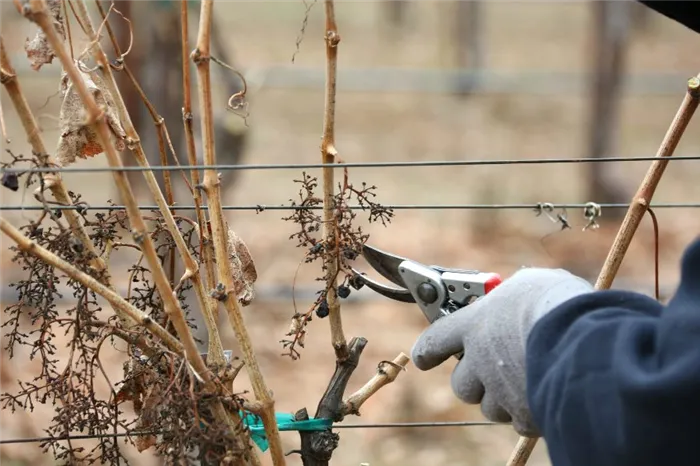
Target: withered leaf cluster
x,y
245,273
78,137
38,49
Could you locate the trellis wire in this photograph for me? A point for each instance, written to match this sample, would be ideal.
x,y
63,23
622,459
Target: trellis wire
x,y
338,426
433,80
262,207
303,166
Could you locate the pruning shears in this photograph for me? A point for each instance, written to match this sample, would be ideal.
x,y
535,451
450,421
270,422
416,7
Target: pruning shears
x,y
438,291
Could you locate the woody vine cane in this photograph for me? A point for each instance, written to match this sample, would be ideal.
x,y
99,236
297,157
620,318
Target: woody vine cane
x,y
83,91
638,207
37,11
340,243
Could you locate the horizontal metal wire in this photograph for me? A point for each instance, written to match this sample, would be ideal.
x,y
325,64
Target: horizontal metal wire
x,y
267,293
336,426
262,207
476,81
297,166
417,424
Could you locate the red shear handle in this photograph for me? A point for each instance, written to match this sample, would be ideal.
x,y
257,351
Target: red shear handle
x,y
489,281
492,282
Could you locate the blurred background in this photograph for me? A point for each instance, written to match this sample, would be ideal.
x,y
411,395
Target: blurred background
x,y
418,80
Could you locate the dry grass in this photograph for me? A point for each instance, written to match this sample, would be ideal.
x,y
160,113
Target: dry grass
x,y
285,127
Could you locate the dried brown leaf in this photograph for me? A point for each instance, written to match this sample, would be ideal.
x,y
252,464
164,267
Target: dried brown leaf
x,y
243,267
139,389
151,399
39,52
144,442
78,139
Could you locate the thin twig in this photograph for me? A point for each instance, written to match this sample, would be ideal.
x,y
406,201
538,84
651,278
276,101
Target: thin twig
x,y
66,22
655,224
635,213
3,128
211,186
328,156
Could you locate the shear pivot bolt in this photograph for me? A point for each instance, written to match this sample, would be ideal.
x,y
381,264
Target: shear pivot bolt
x,y
427,292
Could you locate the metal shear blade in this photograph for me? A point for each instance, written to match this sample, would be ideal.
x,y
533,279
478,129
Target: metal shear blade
x,y
385,263
420,284
397,294
388,266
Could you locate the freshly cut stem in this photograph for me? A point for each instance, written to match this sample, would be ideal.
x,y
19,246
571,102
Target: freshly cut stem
x,y
328,155
216,353
635,213
211,185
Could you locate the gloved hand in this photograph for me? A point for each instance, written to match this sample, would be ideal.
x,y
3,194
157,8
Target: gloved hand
x,y
492,332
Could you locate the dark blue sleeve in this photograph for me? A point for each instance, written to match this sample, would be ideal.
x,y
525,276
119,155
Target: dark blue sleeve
x,y
684,12
613,377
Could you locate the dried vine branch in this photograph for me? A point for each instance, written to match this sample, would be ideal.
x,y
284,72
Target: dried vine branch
x,y
328,156
27,245
38,13
206,246
94,122
52,181
226,289
215,351
158,380
642,199
341,243
215,355
638,207
194,402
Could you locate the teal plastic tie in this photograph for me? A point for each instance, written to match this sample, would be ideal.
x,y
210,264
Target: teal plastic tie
x,y
285,422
